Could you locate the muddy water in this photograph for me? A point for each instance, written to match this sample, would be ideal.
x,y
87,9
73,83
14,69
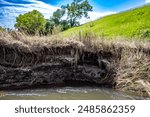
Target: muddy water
x,y
66,93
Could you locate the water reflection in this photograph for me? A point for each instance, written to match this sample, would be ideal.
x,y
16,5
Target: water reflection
x,y
67,93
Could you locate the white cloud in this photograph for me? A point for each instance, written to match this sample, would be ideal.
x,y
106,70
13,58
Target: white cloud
x,y
44,8
9,13
147,1
95,15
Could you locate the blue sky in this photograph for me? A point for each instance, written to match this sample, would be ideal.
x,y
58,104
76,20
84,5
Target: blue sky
x,y
10,9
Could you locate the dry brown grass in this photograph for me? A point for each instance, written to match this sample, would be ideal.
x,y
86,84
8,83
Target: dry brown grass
x,y
2,93
134,72
132,62
31,42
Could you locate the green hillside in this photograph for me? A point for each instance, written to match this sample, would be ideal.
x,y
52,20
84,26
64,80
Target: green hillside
x,y
134,23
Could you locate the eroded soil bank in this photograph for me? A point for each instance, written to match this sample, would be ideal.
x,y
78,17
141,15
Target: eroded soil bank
x,y
23,65
56,66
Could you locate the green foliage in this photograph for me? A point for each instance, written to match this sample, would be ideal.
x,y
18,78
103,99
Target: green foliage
x,y
32,22
57,16
134,23
76,10
64,25
56,21
2,29
49,26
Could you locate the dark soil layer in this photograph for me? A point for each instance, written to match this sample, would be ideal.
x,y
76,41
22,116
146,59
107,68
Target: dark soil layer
x,y
55,66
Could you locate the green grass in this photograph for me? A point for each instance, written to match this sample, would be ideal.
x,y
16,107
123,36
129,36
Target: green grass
x,y
134,23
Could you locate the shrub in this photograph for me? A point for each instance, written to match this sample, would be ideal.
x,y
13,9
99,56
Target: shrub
x,y
31,23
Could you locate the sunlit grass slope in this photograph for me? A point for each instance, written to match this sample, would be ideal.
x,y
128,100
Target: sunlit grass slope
x,y
134,23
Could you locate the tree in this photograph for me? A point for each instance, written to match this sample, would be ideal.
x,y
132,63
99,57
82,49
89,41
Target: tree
x,y
69,15
32,22
57,16
49,26
56,20
76,10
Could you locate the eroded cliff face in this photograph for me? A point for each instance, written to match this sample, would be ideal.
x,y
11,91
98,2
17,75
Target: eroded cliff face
x,y
55,66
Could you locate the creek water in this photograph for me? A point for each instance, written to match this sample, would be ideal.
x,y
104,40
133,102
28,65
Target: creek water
x,y
67,93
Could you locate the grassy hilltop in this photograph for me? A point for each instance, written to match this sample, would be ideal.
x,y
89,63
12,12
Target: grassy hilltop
x,y
134,23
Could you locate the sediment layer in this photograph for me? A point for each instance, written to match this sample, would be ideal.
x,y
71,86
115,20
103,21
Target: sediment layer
x,y
56,66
